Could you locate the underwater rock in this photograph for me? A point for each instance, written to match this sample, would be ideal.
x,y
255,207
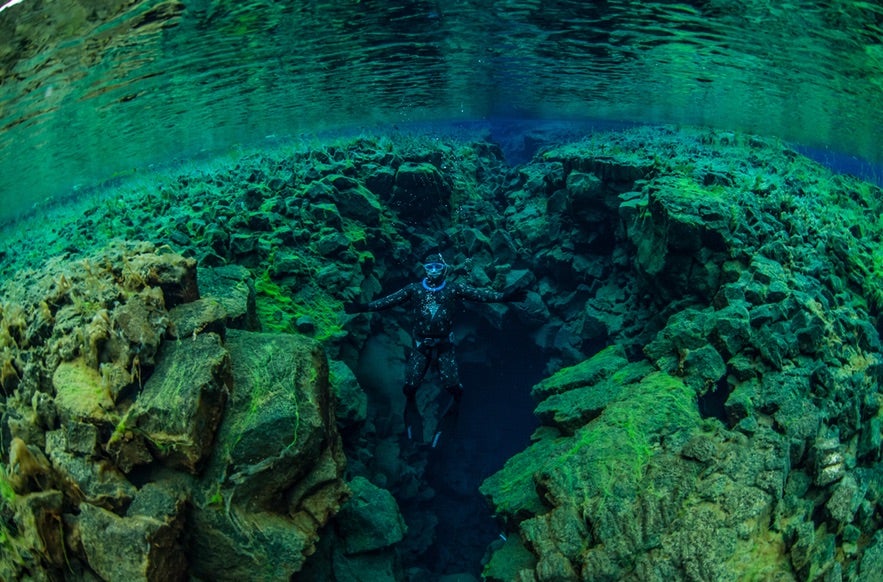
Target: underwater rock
x,y
181,403
236,544
510,561
200,316
274,475
81,437
277,413
702,368
97,481
729,329
81,394
381,182
233,287
370,520
37,516
351,402
420,191
872,560
596,471
575,408
174,274
331,243
360,203
589,372
140,323
138,547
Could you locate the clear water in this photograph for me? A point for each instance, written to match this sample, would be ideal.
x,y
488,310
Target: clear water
x,y
102,91
91,91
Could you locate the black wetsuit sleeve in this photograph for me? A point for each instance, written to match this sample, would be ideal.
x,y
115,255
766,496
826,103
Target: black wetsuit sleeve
x,y
401,296
470,293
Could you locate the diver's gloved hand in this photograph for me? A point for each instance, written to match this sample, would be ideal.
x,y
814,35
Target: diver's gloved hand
x,y
351,308
515,295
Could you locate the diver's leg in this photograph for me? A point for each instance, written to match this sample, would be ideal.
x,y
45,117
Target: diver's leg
x,y
451,381
450,413
418,364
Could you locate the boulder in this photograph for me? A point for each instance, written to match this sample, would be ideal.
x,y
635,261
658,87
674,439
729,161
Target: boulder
x,y
174,274
872,560
238,545
36,518
577,407
140,547
730,329
181,404
351,402
508,560
376,567
381,182
81,437
203,315
331,243
420,191
80,394
359,203
702,368
370,520
279,416
233,287
274,476
97,481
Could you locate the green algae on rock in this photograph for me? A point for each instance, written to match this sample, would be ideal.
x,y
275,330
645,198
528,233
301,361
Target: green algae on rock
x,y
161,412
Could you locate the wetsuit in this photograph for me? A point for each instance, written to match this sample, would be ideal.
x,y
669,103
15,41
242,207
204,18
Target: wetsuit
x,y
432,310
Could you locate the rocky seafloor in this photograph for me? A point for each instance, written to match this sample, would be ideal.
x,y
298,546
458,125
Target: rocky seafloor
x,y
182,398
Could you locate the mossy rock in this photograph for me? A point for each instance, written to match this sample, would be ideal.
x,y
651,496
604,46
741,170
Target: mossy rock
x,y
597,368
96,481
182,401
351,402
607,457
131,548
80,393
420,190
232,286
274,477
575,408
360,203
512,490
279,416
602,460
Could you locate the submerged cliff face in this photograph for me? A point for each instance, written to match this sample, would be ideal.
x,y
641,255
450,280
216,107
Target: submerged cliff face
x,y
741,437
705,305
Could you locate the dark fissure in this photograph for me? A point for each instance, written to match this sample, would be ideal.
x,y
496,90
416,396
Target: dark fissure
x,y
711,403
495,421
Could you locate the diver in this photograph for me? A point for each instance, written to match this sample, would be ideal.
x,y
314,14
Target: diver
x,y
433,302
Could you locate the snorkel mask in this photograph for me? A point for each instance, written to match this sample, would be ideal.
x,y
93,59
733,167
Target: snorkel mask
x,y
435,268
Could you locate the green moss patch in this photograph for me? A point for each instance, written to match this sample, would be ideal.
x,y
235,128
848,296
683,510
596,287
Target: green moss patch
x,y
606,458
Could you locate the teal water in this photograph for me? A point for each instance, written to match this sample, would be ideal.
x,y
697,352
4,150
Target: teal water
x,y
93,91
139,93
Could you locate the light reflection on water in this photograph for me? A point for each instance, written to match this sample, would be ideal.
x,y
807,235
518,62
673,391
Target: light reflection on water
x,y
92,90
